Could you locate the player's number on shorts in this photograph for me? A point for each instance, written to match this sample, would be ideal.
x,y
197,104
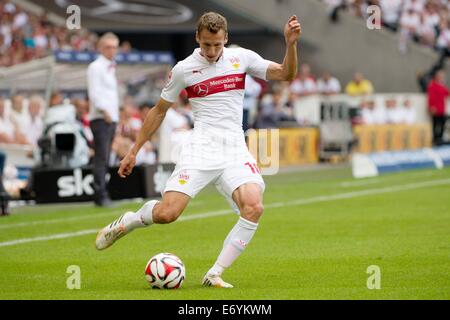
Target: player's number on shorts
x,y
253,167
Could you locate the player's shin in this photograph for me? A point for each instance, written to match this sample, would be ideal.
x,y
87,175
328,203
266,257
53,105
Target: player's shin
x,y
141,218
236,241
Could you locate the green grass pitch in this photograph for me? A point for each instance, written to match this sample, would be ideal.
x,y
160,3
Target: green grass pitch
x,y
320,232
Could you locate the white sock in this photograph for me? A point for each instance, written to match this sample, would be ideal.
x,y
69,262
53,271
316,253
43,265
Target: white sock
x,y
141,218
236,241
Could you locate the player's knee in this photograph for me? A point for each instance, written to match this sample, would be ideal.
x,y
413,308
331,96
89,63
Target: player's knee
x,y
165,214
253,211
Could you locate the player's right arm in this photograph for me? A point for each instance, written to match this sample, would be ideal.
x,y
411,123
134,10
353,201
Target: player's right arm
x,y
151,123
154,118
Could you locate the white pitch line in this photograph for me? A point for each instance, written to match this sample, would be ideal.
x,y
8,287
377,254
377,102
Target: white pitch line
x,y
76,218
349,184
361,193
46,238
340,196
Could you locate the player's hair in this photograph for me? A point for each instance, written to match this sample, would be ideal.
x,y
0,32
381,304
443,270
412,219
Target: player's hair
x,y
108,36
213,22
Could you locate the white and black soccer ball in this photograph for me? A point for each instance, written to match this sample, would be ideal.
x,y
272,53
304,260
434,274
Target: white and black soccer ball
x,y
165,271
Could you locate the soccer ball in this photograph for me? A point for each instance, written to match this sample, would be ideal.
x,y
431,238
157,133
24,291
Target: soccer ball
x,y
165,271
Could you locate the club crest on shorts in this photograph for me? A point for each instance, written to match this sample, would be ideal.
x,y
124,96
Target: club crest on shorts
x,y
183,178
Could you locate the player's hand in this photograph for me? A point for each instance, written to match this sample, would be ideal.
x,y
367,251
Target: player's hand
x,y
126,165
107,117
292,30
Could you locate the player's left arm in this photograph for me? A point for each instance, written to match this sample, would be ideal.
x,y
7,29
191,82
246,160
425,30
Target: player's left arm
x,y
288,69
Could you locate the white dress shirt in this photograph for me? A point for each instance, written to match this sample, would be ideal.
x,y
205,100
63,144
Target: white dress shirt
x,y
20,120
35,129
7,127
328,87
303,87
252,91
103,89
409,115
171,134
395,115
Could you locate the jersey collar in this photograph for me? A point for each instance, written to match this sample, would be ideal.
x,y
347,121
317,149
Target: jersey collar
x,y
202,59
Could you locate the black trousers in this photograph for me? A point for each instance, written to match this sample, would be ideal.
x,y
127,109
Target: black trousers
x,y
4,197
438,129
103,136
245,119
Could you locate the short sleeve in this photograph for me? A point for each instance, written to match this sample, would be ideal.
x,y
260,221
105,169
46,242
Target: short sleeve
x,y
174,85
256,65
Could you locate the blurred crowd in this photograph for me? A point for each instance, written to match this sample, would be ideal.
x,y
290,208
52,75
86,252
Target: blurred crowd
x,y
424,21
25,36
395,111
276,107
24,120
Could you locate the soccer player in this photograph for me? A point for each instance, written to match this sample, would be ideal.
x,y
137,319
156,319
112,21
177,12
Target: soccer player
x,y
214,78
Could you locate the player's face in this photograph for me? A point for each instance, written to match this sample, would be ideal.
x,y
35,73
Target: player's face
x,y
211,44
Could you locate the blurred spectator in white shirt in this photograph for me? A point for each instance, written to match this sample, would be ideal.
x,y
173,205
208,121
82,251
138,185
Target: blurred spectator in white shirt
x,y
6,126
426,32
8,132
20,19
328,85
409,114
367,113
431,15
372,115
391,12
147,155
58,111
305,84
185,108
409,24
82,116
252,92
414,5
129,122
443,41
394,114
173,132
36,125
19,117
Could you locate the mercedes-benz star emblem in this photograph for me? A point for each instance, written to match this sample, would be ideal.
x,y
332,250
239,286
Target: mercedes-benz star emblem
x,y
201,89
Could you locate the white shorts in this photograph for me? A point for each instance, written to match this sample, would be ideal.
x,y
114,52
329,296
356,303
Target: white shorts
x,y
192,181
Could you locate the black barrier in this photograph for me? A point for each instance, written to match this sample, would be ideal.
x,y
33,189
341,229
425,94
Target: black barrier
x,y
76,185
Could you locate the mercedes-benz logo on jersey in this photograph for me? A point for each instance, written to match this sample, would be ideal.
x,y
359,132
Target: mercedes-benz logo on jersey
x,y
149,12
201,89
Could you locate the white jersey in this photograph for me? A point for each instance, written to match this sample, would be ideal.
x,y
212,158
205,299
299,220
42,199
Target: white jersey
x,y
216,93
